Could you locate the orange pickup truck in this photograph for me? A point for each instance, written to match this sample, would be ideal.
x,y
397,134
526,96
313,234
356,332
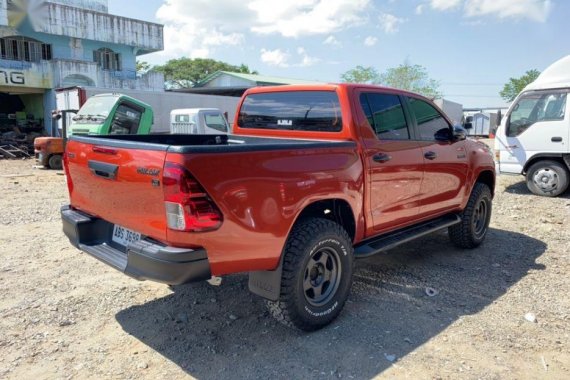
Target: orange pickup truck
x,y
312,178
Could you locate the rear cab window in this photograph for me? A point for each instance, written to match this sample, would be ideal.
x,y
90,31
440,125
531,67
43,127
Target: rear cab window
x,y
385,115
316,111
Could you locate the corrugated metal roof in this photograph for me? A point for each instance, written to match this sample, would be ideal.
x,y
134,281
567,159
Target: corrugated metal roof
x,y
258,79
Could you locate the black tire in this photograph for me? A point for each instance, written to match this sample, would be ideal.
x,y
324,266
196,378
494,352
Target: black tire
x,y
55,163
472,229
317,275
547,178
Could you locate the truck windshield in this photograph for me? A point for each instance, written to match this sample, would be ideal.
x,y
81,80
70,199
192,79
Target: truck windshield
x,y
296,110
534,107
95,110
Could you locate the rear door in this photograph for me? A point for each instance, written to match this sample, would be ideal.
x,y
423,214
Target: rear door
x,y
121,185
394,161
445,162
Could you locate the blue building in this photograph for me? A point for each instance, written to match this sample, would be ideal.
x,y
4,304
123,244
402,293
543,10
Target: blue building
x,y
47,45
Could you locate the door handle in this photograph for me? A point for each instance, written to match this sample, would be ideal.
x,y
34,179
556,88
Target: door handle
x,y
556,139
430,155
103,169
381,157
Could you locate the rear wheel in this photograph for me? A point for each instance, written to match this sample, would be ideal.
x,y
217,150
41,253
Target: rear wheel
x,y
472,229
317,275
547,178
54,162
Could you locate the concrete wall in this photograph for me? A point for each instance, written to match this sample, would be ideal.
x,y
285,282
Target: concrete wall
x,y
3,13
94,5
84,24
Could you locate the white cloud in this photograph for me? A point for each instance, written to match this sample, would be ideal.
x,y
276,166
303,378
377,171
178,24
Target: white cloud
x,y
306,59
443,5
331,40
536,10
420,9
275,57
370,41
195,29
390,23
297,18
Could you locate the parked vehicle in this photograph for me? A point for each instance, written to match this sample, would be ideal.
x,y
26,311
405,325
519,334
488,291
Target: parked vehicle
x,y
454,111
161,102
198,121
312,178
534,136
100,115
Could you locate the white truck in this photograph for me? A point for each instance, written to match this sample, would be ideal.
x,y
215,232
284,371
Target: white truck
x,y
533,138
198,121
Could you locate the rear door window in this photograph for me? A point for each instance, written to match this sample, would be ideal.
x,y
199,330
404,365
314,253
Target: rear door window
x,y
295,110
385,115
428,119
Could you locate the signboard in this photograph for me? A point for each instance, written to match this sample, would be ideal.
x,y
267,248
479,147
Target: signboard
x,y
24,78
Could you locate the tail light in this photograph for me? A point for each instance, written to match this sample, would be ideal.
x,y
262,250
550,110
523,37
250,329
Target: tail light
x,y
188,206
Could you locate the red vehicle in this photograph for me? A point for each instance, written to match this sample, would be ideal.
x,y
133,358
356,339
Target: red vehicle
x,y
312,178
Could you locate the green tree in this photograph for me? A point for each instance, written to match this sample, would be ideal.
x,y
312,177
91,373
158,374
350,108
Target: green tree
x,y
361,74
187,72
143,67
406,77
413,78
515,85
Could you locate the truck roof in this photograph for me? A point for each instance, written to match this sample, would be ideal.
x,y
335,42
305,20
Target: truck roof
x,y
556,75
325,87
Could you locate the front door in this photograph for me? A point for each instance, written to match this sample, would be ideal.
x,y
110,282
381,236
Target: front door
x,y
394,162
537,123
445,162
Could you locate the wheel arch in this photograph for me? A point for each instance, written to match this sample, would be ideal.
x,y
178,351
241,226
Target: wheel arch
x,y
267,283
562,158
488,178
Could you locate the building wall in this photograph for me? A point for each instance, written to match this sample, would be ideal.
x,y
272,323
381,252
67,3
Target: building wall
x,y
94,5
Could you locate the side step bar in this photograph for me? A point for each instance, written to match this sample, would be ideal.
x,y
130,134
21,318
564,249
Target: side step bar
x,y
393,239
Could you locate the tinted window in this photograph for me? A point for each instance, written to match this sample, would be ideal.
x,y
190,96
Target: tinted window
x,y
386,115
428,118
534,107
300,110
126,120
216,121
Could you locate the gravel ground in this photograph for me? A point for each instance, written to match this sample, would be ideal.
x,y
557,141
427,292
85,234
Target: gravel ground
x,y
501,311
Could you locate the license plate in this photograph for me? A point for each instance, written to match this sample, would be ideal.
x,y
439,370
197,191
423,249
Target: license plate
x,y
124,236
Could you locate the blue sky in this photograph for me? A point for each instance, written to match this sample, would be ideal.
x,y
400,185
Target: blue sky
x,y
471,46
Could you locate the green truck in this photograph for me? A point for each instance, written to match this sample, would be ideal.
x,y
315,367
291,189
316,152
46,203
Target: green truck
x,y
104,114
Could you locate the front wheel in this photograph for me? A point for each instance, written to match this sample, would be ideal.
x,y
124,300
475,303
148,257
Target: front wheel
x,y
471,231
317,275
547,178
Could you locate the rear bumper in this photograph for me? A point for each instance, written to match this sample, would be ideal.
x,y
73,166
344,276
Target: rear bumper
x,y
143,260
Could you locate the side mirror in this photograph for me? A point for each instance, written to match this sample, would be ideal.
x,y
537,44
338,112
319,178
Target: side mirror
x,y
468,125
459,133
444,134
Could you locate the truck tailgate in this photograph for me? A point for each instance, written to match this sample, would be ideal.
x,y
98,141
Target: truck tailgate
x,y
120,185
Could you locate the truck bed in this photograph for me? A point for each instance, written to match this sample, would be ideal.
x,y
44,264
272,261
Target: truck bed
x,y
260,185
207,143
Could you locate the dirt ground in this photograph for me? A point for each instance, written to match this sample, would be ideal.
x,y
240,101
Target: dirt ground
x,y
66,315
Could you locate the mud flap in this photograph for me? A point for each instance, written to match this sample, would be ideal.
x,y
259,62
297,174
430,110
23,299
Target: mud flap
x,y
267,283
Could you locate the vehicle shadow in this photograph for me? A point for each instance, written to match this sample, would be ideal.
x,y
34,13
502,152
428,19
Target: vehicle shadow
x,y
521,189
225,332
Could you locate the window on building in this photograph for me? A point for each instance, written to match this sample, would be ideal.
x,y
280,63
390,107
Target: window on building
x,y
107,59
385,115
24,49
428,119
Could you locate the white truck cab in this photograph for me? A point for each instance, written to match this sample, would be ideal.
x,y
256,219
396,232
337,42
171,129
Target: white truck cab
x,y
198,121
533,138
